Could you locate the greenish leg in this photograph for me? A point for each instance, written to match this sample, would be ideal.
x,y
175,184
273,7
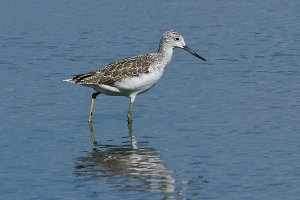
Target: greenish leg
x,y
132,137
94,142
94,95
129,115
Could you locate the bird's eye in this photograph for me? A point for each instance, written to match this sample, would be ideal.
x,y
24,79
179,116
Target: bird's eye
x,y
177,38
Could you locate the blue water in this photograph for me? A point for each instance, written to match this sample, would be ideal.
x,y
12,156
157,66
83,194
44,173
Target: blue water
x,y
227,128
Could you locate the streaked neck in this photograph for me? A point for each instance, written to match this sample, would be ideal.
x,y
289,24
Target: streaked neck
x,y
166,52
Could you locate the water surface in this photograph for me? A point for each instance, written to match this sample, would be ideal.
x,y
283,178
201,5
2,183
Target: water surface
x,y
227,128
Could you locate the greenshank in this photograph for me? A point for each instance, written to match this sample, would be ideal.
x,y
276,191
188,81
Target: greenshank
x,y
133,76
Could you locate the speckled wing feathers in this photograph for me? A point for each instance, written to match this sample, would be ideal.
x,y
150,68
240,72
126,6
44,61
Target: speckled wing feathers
x,y
118,70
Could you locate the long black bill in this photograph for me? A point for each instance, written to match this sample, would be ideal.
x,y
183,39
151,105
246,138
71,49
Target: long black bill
x,y
188,49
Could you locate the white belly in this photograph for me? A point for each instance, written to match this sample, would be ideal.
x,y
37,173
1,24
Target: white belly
x,y
139,84
131,85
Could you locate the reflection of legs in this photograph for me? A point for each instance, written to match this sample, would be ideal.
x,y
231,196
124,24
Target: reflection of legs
x,y
129,115
92,135
94,95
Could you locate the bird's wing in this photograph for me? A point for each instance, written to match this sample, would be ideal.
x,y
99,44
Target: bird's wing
x,y
118,70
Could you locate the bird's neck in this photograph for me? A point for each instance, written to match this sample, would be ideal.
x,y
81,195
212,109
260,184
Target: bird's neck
x,y
166,53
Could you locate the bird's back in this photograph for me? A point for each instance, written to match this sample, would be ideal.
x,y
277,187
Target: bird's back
x,y
118,70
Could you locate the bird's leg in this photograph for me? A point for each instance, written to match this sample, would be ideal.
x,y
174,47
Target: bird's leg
x,y
94,142
94,95
129,115
132,137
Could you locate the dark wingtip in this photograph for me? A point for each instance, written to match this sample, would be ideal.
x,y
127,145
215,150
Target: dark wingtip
x,y
79,77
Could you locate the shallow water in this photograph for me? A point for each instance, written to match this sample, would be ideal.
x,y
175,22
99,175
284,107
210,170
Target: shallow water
x,y
227,128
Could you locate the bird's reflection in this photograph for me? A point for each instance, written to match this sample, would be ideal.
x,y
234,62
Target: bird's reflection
x,y
127,167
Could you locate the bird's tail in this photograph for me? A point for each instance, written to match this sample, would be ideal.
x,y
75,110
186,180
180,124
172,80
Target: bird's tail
x,y
71,80
80,78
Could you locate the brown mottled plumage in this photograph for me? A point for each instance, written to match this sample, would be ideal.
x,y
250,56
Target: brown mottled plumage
x,y
116,71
